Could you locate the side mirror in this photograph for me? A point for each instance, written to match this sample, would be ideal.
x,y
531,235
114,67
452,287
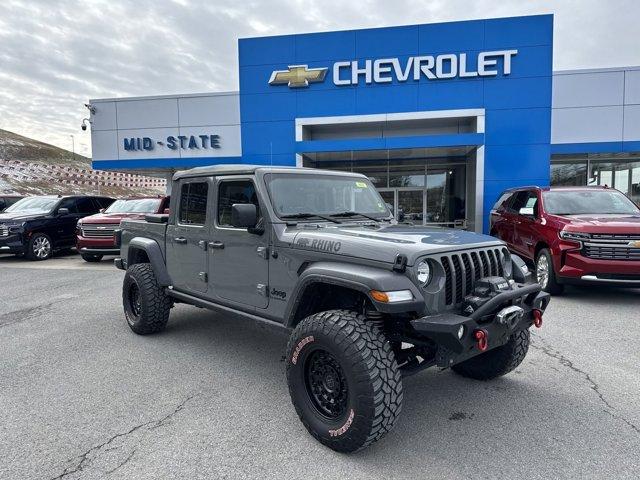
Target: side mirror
x,y
244,215
102,210
166,211
63,211
400,214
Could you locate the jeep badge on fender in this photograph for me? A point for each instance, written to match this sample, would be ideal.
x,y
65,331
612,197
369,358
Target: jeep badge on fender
x,y
366,302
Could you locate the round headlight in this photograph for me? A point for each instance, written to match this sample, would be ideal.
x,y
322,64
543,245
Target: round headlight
x,y
423,272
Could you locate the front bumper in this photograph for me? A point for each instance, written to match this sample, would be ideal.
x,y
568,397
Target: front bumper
x,y
99,251
11,243
443,329
572,266
97,246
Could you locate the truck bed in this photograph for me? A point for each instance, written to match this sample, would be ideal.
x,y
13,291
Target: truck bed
x,y
142,228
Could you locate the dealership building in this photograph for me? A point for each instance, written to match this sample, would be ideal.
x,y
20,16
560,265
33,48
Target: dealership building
x,y
441,117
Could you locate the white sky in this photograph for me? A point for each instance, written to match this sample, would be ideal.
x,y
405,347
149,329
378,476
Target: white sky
x,y
55,55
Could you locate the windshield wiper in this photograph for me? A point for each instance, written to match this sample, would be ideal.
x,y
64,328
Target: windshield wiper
x,y
355,214
309,215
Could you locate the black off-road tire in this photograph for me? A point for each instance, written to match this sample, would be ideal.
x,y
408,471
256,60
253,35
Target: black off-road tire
x,y
32,250
91,258
151,313
498,361
366,362
552,286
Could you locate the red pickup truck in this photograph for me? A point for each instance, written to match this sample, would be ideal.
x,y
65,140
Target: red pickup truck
x,y
571,234
95,234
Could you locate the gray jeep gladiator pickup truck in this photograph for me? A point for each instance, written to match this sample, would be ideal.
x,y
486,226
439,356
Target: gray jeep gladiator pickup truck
x,y
366,300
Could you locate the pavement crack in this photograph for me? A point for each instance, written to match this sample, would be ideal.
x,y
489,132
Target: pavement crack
x,y
84,459
564,361
122,463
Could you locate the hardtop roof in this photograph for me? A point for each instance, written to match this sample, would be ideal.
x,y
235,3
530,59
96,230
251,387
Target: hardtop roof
x,y
215,170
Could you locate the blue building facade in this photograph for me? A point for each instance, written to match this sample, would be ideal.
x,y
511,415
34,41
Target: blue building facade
x,y
480,91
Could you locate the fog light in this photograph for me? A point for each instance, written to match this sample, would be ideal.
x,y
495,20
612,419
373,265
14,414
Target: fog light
x,y
460,332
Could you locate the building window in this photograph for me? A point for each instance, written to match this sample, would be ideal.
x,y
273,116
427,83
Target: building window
x,y
422,185
616,170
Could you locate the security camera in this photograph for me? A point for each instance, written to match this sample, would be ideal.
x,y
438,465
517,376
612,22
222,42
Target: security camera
x,y
83,127
91,108
85,121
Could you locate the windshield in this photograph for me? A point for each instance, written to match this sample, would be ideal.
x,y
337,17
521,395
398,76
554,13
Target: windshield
x,y
581,202
293,194
34,205
138,205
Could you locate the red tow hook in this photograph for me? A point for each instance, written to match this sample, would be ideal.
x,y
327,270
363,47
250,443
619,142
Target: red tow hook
x,y
537,318
482,339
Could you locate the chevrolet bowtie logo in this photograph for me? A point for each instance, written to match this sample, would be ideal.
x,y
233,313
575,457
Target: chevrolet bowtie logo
x,y
298,76
635,244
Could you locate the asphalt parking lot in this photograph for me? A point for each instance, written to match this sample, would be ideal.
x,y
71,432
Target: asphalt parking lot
x,y
81,396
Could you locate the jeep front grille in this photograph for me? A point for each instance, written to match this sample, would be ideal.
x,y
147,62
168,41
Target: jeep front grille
x,y
103,230
462,270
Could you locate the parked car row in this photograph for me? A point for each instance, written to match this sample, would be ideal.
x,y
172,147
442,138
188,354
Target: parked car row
x,y
588,235
569,234
38,226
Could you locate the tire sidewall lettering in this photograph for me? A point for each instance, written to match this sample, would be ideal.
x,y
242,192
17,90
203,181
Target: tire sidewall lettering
x,y
342,430
301,344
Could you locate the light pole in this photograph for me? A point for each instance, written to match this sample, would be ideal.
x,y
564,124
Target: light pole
x,y
73,147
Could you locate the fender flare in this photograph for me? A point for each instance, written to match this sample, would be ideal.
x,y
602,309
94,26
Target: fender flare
x,y
154,253
359,278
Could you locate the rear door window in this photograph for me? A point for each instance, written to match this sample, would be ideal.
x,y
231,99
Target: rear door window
x,y
86,205
193,203
69,203
503,201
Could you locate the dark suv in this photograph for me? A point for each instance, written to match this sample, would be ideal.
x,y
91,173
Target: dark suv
x,y
37,226
572,234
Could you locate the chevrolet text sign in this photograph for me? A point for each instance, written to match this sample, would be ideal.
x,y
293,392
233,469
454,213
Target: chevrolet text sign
x,y
385,70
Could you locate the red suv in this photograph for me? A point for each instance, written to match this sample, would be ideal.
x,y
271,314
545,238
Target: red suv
x,y
572,234
94,234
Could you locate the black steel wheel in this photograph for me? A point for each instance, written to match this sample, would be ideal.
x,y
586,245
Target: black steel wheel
x,y
146,305
135,302
326,384
343,380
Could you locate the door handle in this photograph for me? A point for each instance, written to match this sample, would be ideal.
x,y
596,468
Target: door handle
x,y
180,240
216,245
202,244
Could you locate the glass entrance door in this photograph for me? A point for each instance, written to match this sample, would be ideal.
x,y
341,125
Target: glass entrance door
x,y
422,185
411,206
389,197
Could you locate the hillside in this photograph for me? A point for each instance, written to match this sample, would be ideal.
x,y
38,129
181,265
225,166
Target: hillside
x,y
30,167
24,149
